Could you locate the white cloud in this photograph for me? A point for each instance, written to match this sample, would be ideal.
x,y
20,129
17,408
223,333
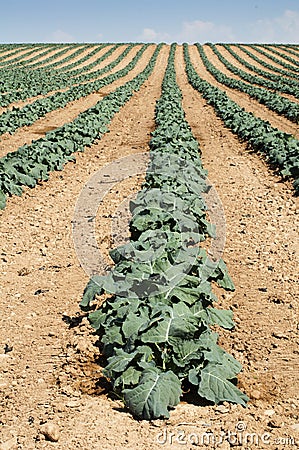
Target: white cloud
x,y
200,31
150,35
195,31
61,36
280,29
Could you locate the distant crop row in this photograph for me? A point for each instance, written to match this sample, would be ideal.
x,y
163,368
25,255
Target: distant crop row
x,y
280,149
273,101
11,120
289,78
46,80
294,66
276,83
19,61
33,162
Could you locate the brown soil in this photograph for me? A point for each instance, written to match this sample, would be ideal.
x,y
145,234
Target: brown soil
x,y
49,375
44,63
268,60
252,61
236,63
246,102
22,103
61,116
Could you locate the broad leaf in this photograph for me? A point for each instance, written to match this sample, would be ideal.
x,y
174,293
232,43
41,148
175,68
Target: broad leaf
x,y
221,317
93,288
133,323
119,362
154,395
216,387
130,377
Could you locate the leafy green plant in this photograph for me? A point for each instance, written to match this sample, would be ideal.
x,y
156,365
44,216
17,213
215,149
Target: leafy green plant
x,y
155,324
12,119
285,78
261,49
22,84
281,150
34,162
272,100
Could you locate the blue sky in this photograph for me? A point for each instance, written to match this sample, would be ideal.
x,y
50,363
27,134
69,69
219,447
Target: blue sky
x,y
149,21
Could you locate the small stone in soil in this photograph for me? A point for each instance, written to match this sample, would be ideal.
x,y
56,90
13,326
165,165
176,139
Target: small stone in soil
x,y
295,427
255,394
222,409
269,412
41,291
279,335
72,404
50,431
274,423
9,445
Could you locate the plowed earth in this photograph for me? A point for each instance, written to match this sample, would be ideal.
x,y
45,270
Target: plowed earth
x,y
50,370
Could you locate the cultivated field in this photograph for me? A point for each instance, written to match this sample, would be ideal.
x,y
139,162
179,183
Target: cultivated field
x,y
229,112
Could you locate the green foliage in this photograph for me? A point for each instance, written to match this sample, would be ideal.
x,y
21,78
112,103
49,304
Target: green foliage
x,y
269,54
155,327
155,393
15,118
19,83
272,100
281,150
34,162
285,82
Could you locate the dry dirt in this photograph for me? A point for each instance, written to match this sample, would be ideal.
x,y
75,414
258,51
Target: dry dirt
x,y
50,373
267,59
236,63
286,53
244,100
252,61
54,119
